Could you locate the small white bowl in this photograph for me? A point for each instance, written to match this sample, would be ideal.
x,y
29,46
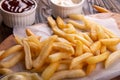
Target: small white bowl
x,y
64,11
12,19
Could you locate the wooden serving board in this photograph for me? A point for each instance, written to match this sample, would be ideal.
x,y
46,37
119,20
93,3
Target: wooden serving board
x,y
10,41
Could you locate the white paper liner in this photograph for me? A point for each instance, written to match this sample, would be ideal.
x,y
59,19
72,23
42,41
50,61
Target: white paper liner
x,y
100,72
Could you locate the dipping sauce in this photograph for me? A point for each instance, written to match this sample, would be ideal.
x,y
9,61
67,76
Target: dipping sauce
x,y
18,6
66,2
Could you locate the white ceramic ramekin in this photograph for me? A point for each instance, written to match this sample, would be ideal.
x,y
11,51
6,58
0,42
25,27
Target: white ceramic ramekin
x,y
64,11
18,19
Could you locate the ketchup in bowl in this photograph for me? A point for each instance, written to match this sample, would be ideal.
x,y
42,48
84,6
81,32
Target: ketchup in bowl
x,y
18,6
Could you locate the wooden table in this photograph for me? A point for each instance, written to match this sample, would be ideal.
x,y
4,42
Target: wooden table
x,y
112,5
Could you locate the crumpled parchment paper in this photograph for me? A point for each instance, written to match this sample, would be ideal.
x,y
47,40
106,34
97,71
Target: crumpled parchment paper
x,y
100,72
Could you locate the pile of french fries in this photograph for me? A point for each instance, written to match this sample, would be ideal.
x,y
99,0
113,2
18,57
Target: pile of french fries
x,y
73,51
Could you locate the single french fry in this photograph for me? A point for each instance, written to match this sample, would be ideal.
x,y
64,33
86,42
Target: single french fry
x,y
95,46
69,29
18,40
60,75
75,16
110,42
90,68
28,57
83,40
77,60
51,22
99,58
93,33
101,9
100,32
66,61
10,51
44,53
112,48
79,48
1,52
60,23
87,37
103,48
112,58
5,71
80,66
58,56
50,70
63,67
63,47
86,49
12,61
77,25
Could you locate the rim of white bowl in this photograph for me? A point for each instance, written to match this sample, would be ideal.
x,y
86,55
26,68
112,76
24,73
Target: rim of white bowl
x,y
80,3
26,12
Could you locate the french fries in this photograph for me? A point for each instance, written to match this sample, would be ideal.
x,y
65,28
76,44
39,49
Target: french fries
x,y
39,61
76,61
5,71
72,52
114,56
98,58
68,74
12,61
101,9
28,57
50,70
10,51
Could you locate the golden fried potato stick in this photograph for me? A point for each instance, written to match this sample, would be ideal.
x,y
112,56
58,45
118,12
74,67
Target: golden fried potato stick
x,y
34,48
110,42
44,53
10,51
101,9
95,46
58,56
61,46
100,32
112,48
76,16
77,60
18,40
86,49
63,67
60,23
59,32
112,58
83,40
69,29
90,68
5,71
13,60
30,33
98,58
79,48
77,25
1,52
103,48
50,70
60,75
60,39
28,57
93,32
87,37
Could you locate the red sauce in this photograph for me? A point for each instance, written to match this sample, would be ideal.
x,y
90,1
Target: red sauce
x,y
18,6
